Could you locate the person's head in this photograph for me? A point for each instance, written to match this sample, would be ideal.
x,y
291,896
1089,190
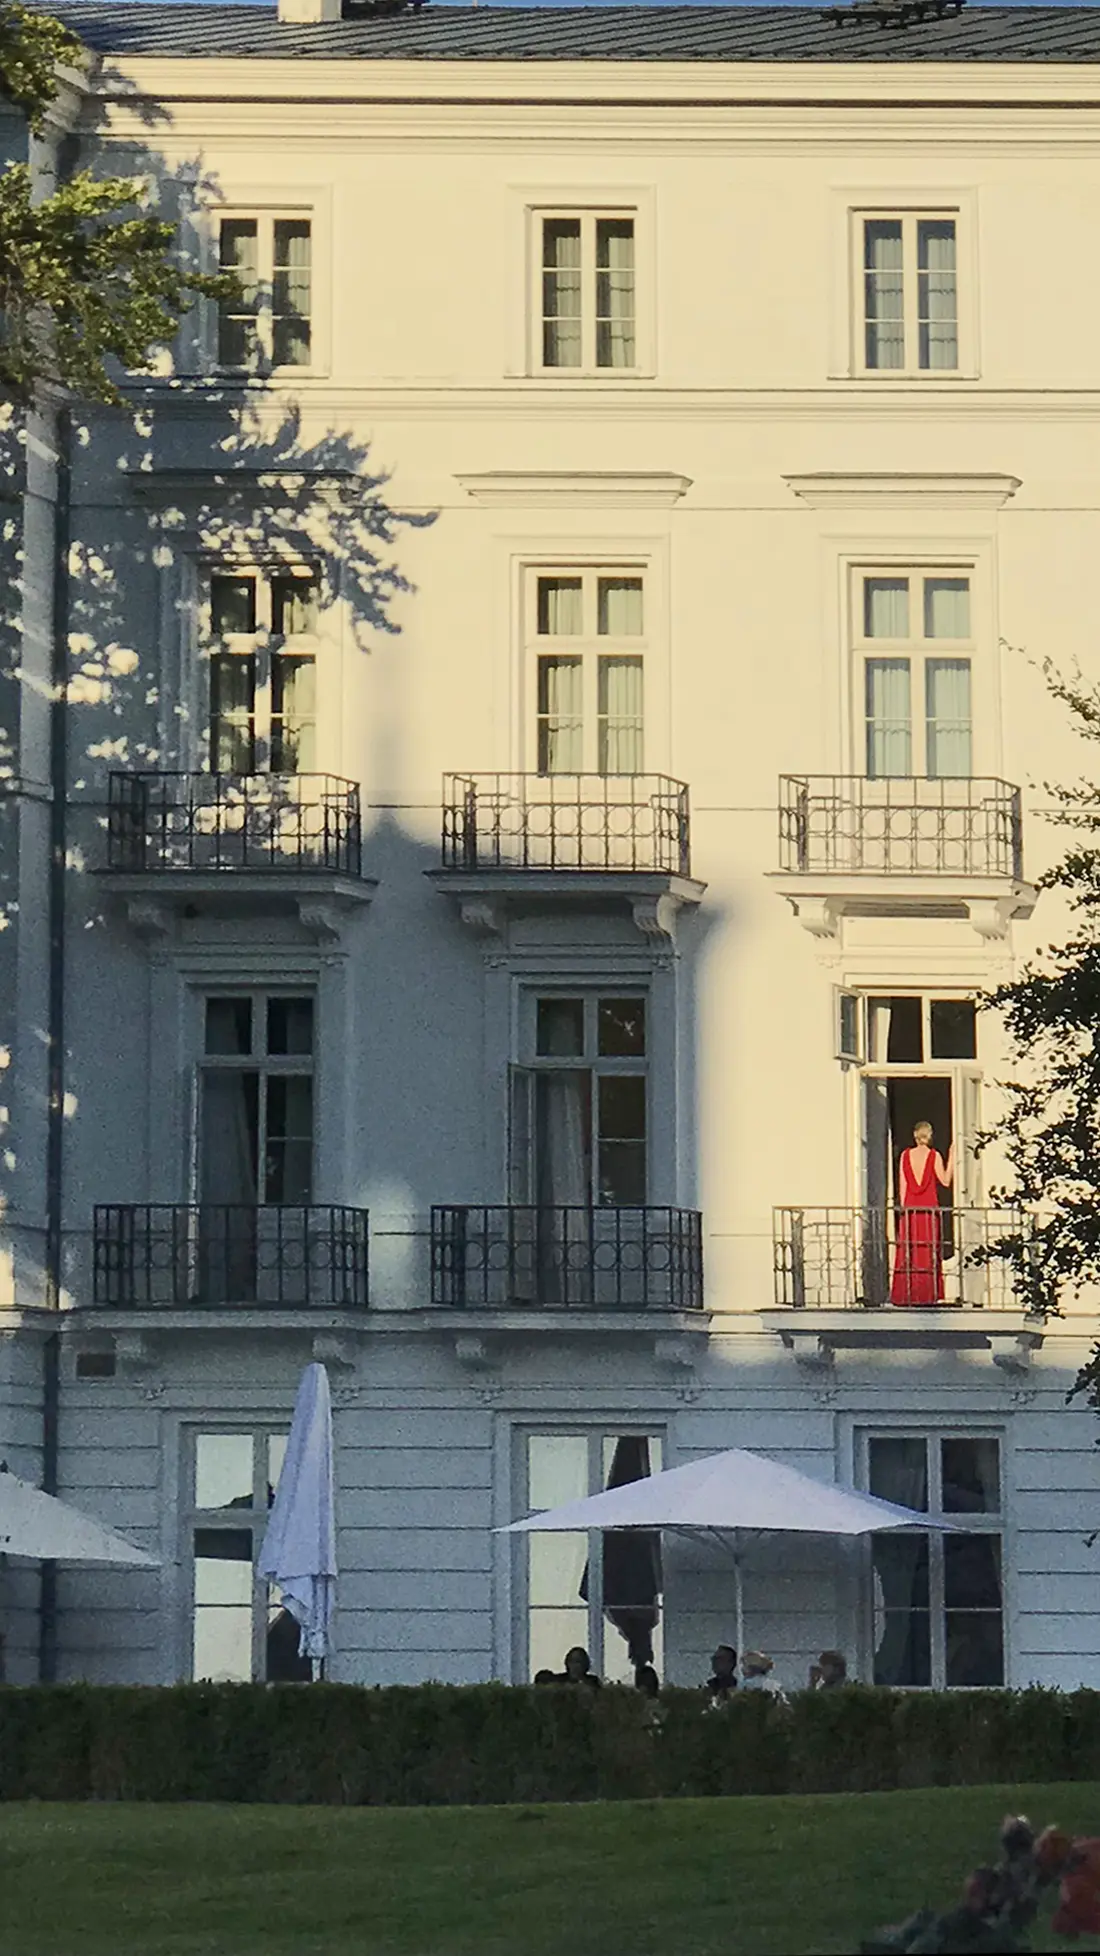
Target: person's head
x,y
922,1134
646,1679
756,1664
544,1677
833,1666
724,1661
577,1664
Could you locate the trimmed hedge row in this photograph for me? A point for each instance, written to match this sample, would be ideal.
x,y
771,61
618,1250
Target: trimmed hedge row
x,y
497,1744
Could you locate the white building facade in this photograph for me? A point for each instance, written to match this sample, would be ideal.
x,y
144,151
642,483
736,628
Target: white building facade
x,y
506,952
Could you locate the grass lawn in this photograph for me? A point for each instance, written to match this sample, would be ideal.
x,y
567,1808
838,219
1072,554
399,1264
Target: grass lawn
x,y
748,1877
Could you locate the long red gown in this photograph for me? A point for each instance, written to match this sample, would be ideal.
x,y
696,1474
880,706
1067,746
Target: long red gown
x,y
918,1257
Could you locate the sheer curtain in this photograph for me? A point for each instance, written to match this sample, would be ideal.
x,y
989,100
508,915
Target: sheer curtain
x,y
620,717
291,293
901,1575
228,1186
889,729
615,340
947,686
882,288
293,714
561,292
937,293
561,716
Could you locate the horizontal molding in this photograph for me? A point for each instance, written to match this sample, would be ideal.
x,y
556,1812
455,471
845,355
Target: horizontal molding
x,y
833,490
525,489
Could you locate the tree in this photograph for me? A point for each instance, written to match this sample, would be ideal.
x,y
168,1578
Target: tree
x,y
1050,1128
86,275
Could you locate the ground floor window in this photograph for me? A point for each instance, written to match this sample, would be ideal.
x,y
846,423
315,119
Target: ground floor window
x,y
601,1591
239,1629
937,1600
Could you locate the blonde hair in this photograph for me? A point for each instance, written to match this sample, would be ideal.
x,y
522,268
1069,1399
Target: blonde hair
x,y
922,1127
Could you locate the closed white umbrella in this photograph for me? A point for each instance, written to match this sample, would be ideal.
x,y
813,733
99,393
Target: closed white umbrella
x,y
40,1526
729,1497
299,1548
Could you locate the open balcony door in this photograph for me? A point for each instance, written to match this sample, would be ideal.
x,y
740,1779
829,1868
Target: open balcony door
x,y
892,1104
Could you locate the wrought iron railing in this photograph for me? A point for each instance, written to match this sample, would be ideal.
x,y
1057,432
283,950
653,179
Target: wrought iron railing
x,y
152,1255
833,1259
602,1259
566,821
904,825
165,821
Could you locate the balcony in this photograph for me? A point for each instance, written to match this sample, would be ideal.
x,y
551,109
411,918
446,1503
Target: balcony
x,y
902,846
524,1259
528,841
221,1256
193,842
837,1272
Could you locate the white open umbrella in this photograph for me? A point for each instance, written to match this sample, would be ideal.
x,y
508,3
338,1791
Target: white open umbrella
x,y
730,1498
38,1525
299,1548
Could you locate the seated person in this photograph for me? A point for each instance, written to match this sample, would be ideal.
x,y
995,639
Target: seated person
x,y
830,1670
724,1679
646,1679
578,1669
546,1677
756,1673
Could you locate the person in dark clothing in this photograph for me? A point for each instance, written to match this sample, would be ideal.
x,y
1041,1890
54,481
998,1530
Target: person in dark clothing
x,y
724,1678
830,1670
646,1679
578,1669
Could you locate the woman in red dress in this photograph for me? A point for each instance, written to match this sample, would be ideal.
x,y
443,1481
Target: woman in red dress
x,y
918,1257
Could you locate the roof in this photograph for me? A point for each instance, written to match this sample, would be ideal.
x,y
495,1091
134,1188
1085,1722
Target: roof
x,y
640,33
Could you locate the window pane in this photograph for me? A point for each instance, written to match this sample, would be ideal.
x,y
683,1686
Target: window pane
x,y
557,1469
232,713
899,1473
222,1642
560,606
294,605
560,717
232,605
971,1472
290,293
947,607
886,607
884,330
937,293
238,252
293,714
555,1569
954,1028
947,708
620,730
615,345
551,1633
974,1653
895,1031
559,1032
622,1140
561,292
223,1470
276,1454
228,1025
289,1159
972,1572
889,736
290,1025
619,606
620,1027
901,1627
622,1107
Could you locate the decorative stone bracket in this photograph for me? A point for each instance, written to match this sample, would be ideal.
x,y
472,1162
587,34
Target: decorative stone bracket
x,y
1012,1351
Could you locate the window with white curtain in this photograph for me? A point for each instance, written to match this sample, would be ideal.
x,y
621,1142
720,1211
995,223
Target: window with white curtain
x,y
907,299
586,640
587,296
262,635
268,323
914,650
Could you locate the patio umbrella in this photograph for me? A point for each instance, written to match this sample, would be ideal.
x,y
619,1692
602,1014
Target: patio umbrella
x,y
731,1498
299,1548
40,1526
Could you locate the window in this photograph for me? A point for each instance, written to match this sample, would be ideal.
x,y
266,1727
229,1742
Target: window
x,y
239,1629
268,324
256,1099
937,1606
913,640
579,1105
586,639
602,1591
586,292
263,673
908,292
920,1056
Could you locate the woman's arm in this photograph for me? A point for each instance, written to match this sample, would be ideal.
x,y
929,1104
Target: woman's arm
x,y
945,1176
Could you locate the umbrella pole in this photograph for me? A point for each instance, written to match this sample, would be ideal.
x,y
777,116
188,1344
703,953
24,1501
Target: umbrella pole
x,y
739,1594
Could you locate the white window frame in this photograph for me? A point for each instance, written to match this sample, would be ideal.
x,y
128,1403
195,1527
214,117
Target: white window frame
x,y
918,651
265,203
966,1076
851,206
262,644
589,646
252,1520
596,1643
527,206
994,1523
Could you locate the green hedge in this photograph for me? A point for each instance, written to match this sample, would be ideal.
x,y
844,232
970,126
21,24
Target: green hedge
x,y
472,1745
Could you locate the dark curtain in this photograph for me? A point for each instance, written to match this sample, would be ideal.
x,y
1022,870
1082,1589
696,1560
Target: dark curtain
x,y
631,1562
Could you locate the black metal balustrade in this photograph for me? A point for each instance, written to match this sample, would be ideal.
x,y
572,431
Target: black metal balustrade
x,y
601,1259
159,821
154,1255
623,822
836,1259
901,825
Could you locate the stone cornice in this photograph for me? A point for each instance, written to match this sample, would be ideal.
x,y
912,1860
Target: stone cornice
x,y
588,488
829,490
